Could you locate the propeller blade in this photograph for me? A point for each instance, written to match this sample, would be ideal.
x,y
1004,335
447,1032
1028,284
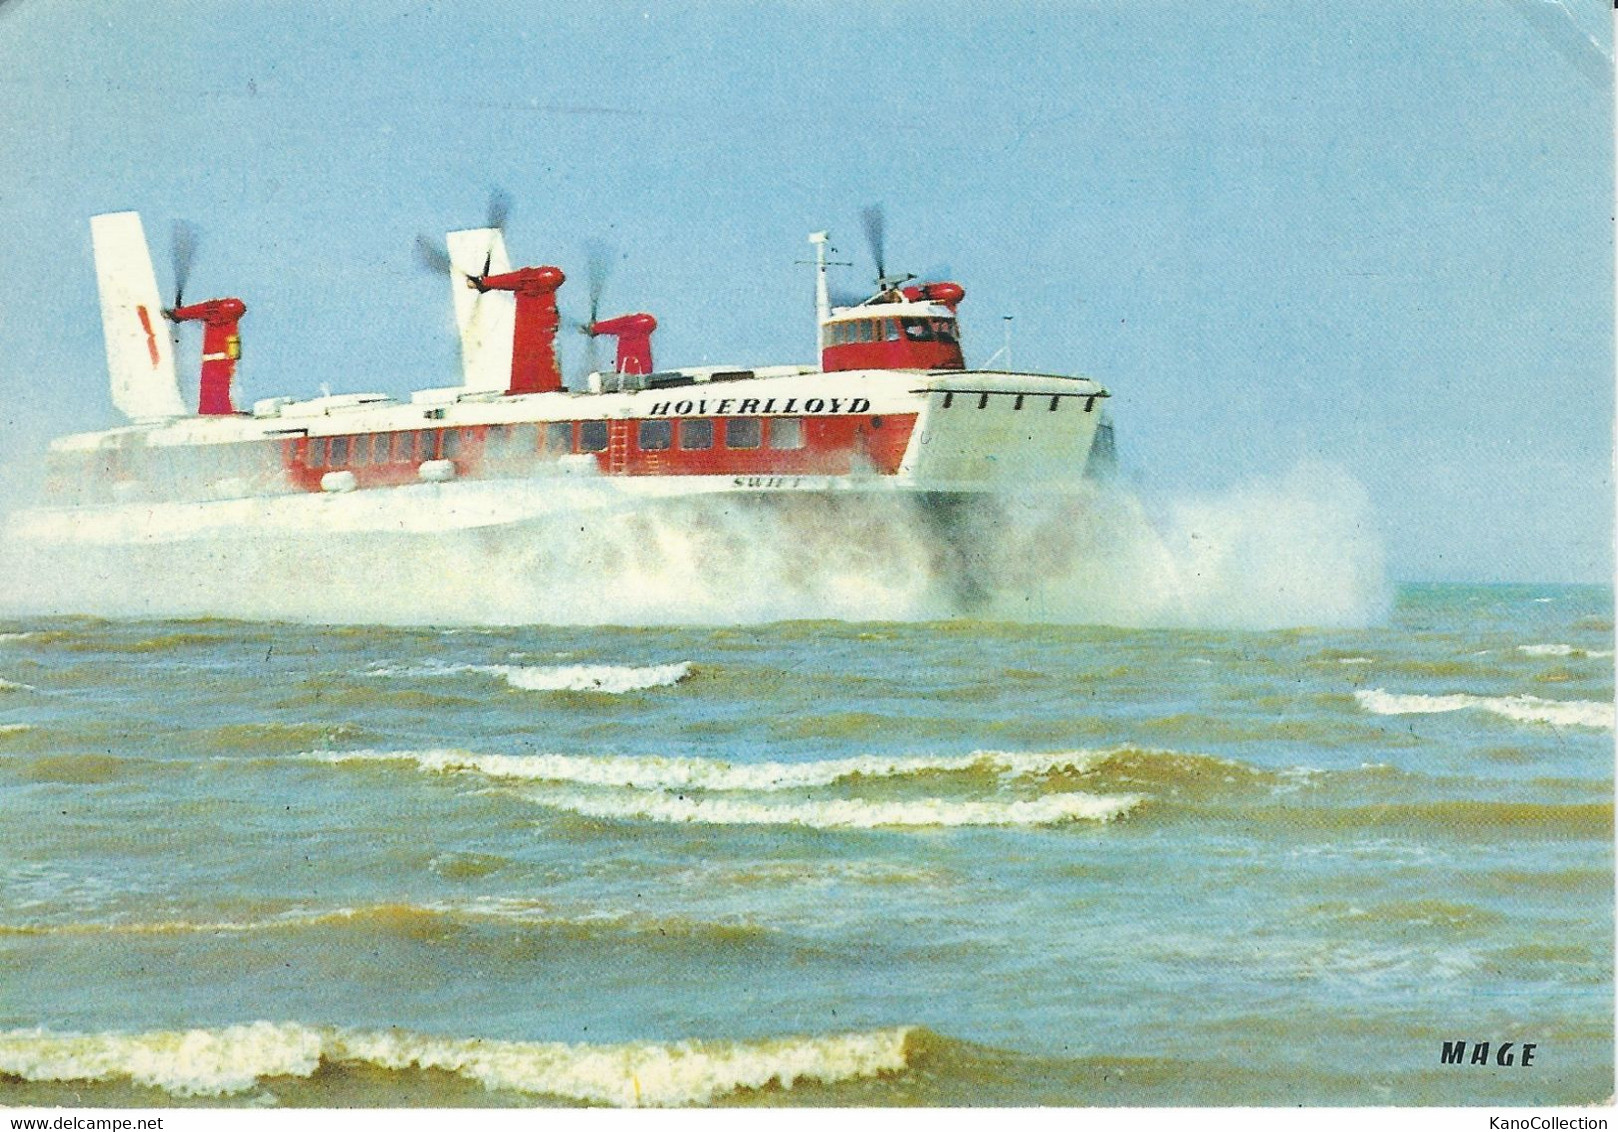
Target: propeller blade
x,y
432,257
876,236
592,359
183,240
598,260
499,208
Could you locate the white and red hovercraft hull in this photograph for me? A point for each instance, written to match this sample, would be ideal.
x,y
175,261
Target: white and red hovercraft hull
x,y
891,413
456,461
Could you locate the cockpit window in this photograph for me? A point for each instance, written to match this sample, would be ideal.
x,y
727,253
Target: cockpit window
x,y
945,329
918,329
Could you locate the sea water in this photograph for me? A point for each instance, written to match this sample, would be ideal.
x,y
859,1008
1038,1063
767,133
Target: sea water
x,y
810,862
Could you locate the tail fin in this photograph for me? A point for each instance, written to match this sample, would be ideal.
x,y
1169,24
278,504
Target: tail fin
x,y
486,320
140,357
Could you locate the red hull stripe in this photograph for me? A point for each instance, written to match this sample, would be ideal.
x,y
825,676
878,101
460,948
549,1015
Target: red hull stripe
x,y
655,446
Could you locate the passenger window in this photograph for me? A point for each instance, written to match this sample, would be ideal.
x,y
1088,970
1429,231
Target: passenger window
x,y
524,440
425,446
892,327
696,433
786,432
866,334
494,441
654,436
339,451
401,447
451,443
314,455
592,436
559,436
742,432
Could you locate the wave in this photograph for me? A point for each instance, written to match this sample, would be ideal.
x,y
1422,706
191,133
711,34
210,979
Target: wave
x,y
410,919
680,773
15,686
842,813
605,679
235,1059
1563,650
609,679
1520,709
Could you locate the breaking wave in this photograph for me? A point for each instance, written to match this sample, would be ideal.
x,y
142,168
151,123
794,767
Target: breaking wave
x,y
15,686
234,1059
677,773
408,918
1520,709
841,813
610,679
606,679
1562,650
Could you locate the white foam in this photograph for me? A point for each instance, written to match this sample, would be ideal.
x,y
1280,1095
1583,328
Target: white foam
x,y
1298,550
1562,650
677,773
1355,660
841,813
1521,709
607,679
235,1058
15,728
15,686
186,1063
610,679
17,636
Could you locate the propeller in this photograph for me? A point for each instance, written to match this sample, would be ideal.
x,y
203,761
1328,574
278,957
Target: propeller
x,y
498,211
430,253
432,257
183,240
876,236
598,260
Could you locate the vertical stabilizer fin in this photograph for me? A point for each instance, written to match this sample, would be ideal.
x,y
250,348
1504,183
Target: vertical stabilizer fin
x,y
140,356
486,320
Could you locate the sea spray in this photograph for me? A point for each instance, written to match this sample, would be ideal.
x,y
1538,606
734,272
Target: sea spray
x,y
1300,550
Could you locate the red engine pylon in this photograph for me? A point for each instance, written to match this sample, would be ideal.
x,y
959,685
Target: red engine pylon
x,y
221,346
634,335
534,368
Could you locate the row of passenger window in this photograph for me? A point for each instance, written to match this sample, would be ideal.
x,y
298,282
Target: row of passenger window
x,y
382,448
697,433
888,330
503,442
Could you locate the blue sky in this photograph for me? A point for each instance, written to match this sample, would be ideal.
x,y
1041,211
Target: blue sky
x,y
1376,234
